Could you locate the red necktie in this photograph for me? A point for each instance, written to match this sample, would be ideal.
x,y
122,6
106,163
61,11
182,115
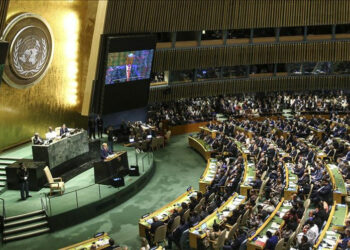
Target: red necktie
x,y
128,71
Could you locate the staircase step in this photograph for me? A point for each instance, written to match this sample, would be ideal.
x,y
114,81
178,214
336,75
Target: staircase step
x,y
26,227
21,216
25,221
26,234
5,163
2,184
2,172
3,167
3,178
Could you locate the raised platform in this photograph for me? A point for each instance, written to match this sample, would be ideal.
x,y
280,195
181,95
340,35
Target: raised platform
x,y
83,198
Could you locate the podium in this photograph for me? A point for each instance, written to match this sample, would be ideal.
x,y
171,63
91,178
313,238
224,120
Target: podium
x,y
116,166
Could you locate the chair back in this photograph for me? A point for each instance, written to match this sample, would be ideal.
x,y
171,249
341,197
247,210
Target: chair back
x,y
309,194
154,143
197,208
232,232
160,234
291,239
211,197
167,135
306,204
184,240
58,130
160,141
245,217
220,241
279,245
48,175
186,215
239,220
176,223
202,201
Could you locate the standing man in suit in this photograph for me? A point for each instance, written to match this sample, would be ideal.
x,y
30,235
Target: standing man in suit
x,y
99,123
63,129
92,128
23,175
125,73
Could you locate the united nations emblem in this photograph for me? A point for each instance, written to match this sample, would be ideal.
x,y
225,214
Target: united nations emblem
x,y
31,50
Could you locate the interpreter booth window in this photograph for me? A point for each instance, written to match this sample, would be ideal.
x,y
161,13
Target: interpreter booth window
x,y
211,34
281,69
181,76
295,69
264,32
291,34
208,74
238,33
341,68
319,30
234,71
261,70
187,39
186,36
292,31
158,77
163,37
319,68
342,29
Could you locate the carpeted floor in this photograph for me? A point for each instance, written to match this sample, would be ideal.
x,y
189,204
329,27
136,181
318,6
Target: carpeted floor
x,y
178,167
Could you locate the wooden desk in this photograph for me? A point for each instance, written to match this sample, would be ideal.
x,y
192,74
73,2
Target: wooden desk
x,y
199,145
249,176
198,233
62,150
327,227
114,166
208,176
339,188
337,223
208,131
291,187
164,212
101,242
268,225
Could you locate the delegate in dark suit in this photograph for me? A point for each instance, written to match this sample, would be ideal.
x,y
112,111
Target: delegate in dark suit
x,y
120,74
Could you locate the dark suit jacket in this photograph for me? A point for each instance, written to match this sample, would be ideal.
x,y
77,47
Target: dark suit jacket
x,y
118,74
155,225
105,153
63,131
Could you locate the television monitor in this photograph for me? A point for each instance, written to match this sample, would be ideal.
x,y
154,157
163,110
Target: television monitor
x,y
124,70
128,66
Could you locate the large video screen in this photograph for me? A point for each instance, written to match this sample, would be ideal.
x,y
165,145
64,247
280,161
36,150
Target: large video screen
x,y
129,66
124,70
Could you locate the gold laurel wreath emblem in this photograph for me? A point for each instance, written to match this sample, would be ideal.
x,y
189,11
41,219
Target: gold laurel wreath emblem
x,y
39,65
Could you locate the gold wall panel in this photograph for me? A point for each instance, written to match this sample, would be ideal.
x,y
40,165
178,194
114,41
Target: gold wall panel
x,y
3,11
191,58
235,86
127,16
57,97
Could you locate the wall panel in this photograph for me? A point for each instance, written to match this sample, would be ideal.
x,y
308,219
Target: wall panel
x,y
191,58
127,16
49,103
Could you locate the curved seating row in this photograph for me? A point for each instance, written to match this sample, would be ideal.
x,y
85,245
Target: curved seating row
x,y
274,221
